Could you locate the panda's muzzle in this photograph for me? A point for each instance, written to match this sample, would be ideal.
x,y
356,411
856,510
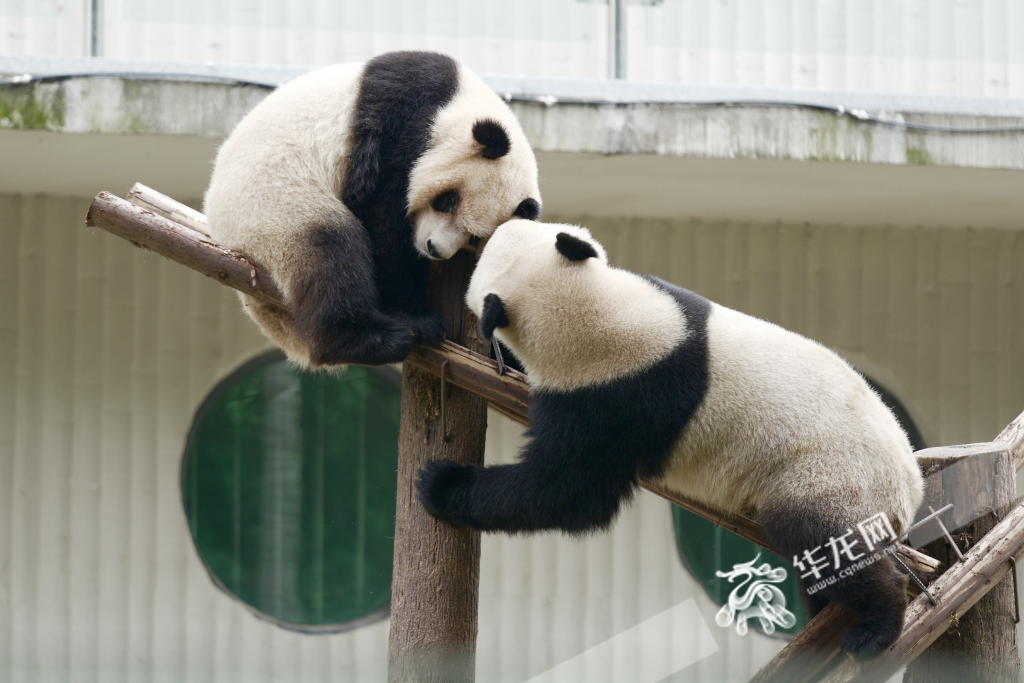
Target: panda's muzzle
x,y
432,251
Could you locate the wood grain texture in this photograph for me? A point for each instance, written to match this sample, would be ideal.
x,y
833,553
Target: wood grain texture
x,y
957,591
981,645
162,205
1013,435
147,230
435,584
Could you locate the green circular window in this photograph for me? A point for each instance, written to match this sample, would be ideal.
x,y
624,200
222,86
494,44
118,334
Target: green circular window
x,y
289,488
706,548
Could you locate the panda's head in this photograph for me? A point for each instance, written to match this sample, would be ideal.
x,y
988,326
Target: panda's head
x,y
478,172
547,292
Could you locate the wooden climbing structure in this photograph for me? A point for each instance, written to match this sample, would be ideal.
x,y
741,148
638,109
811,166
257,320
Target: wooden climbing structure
x,y
436,570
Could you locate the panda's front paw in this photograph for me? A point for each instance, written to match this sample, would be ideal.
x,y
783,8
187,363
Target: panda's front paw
x,y
427,326
442,486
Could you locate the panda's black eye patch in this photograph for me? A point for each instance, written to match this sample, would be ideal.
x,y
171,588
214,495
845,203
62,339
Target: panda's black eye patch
x,y
528,209
446,202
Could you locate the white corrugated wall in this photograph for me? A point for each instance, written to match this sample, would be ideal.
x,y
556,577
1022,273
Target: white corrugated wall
x,y
106,352
969,47
955,47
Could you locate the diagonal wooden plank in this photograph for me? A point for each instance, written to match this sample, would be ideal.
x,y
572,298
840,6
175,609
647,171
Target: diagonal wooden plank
x,y
149,222
807,656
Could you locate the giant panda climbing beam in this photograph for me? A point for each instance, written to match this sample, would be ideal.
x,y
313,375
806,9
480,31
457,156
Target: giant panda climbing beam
x,y
347,181
634,378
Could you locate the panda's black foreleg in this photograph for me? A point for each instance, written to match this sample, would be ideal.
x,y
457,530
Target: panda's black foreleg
x,y
512,498
336,306
550,488
875,594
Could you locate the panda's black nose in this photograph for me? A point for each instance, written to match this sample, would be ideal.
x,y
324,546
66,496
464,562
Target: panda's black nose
x,y
432,251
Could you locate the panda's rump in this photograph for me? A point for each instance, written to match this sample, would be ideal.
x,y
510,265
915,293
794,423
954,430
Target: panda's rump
x,y
787,419
280,172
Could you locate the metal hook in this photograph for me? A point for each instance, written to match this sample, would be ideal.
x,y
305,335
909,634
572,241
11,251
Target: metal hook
x,y
920,584
1016,599
497,355
949,538
444,422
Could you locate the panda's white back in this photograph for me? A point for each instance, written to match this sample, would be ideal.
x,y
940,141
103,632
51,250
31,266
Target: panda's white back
x,y
788,421
283,166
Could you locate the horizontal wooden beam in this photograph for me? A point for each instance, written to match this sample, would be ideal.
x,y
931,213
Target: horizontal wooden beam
x,y
150,221
158,223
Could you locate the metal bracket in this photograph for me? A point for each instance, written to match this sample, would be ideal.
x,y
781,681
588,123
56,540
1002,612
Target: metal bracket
x,y
1016,599
949,539
497,355
910,572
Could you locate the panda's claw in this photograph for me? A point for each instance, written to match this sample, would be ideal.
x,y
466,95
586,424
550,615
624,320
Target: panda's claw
x,y
426,326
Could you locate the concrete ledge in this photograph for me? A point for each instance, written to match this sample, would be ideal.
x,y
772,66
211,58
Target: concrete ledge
x,y
559,115
593,91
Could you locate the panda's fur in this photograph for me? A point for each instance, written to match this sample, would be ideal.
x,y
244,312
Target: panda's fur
x,y
634,377
344,183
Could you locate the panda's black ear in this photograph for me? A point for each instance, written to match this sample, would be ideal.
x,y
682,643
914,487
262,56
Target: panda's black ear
x,y
493,136
494,316
573,248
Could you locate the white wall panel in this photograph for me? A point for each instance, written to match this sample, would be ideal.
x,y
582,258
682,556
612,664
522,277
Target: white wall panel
x,y
965,47
957,47
44,27
540,37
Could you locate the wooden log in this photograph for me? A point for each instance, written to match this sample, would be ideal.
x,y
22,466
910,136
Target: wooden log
x,y
1013,435
155,228
506,394
162,205
804,658
982,644
957,590
437,566
147,230
810,652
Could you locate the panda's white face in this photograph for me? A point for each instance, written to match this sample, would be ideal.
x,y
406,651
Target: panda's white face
x,y
572,319
478,172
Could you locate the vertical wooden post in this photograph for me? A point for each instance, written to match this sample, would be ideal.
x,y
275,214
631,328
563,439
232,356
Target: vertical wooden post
x,y
435,585
980,645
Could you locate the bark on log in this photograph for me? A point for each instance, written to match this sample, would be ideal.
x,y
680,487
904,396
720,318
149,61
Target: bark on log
x,y
957,590
799,663
147,230
437,566
982,644
1013,435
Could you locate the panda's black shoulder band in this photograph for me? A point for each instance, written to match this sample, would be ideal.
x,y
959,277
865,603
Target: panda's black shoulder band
x,y
494,316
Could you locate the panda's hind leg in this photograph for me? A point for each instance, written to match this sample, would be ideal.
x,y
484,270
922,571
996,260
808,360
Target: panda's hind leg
x,y
336,304
875,594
